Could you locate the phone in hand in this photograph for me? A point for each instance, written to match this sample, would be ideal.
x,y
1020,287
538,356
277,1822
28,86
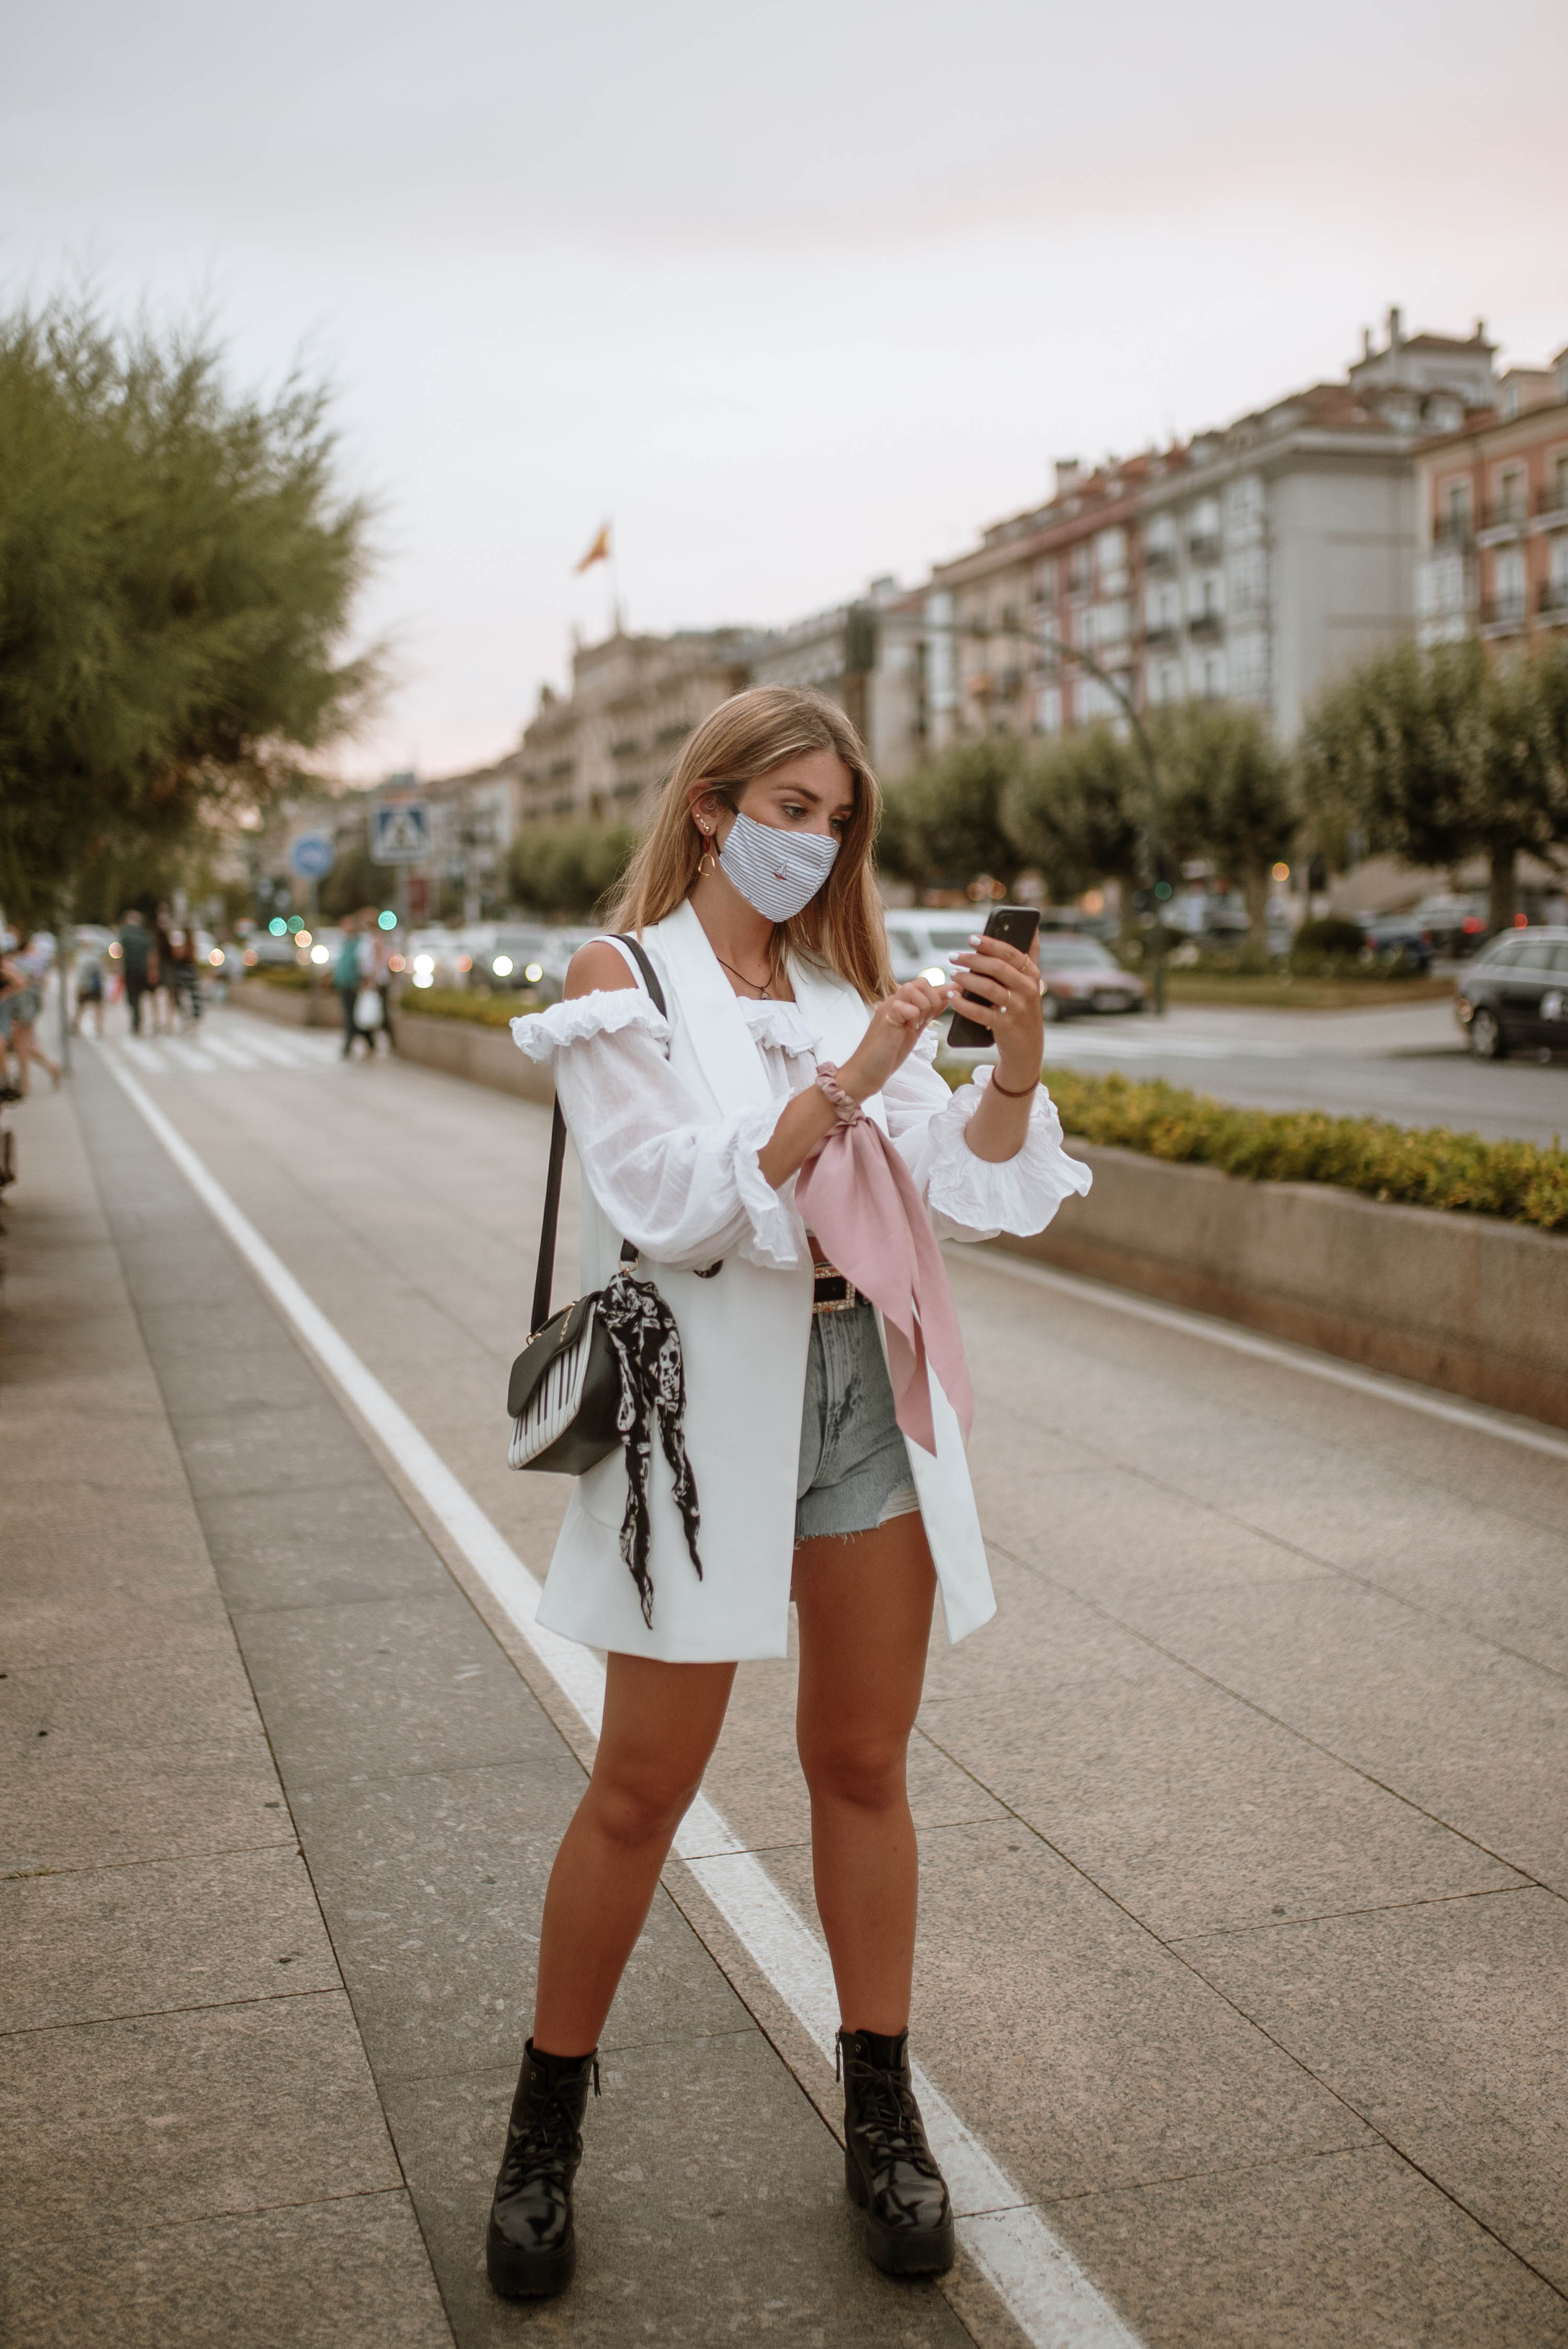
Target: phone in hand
x,y
1016,926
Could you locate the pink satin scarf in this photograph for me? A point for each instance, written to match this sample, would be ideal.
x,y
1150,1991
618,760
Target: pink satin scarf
x,y
859,1197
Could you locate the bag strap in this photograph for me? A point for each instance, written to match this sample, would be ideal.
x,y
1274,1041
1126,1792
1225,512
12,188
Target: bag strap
x,y
544,1273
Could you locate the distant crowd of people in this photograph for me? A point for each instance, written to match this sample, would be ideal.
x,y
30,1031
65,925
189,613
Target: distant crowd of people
x,y
363,978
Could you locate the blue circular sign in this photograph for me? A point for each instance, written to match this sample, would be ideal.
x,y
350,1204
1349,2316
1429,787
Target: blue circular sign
x,y
312,855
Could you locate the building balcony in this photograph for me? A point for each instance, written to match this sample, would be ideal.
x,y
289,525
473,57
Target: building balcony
x,y
1503,612
1552,503
1508,514
1452,530
1159,557
1206,628
1161,636
1205,547
1553,605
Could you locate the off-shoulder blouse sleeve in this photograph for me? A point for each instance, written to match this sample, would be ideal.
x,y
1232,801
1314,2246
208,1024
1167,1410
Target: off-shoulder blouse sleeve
x,y
973,1199
681,1188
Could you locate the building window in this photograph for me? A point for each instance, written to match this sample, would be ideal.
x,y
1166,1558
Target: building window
x,y
1051,714
1454,512
1213,678
1557,492
1203,529
1045,582
1510,503
1159,543
1507,587
1110,560
1079,562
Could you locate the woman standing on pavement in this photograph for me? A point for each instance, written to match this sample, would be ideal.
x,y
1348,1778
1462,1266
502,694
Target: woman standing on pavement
x,y
785,1100
23,971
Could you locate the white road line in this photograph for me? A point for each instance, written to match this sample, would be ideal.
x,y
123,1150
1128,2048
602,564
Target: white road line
x,y
273,1048
146,1055
1050,2299
188,1056
1268,1350
232,1055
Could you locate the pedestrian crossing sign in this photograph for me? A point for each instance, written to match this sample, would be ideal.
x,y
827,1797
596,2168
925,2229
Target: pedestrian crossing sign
x,y
399,833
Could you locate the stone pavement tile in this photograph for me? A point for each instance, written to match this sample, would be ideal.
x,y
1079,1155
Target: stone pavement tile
x,y
53,1624
433,1888
1476,1736
346,2274
78,1534
384,1689
1348,2251
324,1548
267,1449
172,2117
711,2210
200,1375
107,1941
76,1815
1084,2056
1191,1809
1444,2025
755,1779
129,1711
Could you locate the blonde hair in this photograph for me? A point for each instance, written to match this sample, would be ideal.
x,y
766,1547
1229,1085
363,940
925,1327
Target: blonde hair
x,y
747,737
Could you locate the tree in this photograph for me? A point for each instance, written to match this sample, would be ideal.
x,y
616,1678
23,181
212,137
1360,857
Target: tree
x,y
566,868
1227,797
177,573
943,824
1078,810
1442,753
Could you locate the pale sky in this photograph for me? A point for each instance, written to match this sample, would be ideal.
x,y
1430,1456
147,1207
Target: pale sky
x,y
796,295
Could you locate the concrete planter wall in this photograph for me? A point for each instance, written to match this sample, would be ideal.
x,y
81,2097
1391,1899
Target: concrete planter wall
x,y
1466,1303
295,1007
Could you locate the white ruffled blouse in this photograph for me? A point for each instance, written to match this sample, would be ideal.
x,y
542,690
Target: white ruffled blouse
x,y
684,1188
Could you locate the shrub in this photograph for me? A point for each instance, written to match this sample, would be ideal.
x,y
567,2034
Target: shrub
x,y
1327,939
1415,1167
468,1003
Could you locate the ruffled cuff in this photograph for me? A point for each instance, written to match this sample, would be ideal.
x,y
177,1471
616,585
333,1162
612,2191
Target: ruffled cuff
x,y
976,1199
928,1043
605,1013
777,1232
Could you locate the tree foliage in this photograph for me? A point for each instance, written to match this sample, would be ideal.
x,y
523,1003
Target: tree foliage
x,y
177,573
1228,797
1078,810
1443,753
566,868
944,822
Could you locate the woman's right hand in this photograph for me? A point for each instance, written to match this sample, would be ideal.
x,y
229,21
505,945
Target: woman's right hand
x,y
891,1036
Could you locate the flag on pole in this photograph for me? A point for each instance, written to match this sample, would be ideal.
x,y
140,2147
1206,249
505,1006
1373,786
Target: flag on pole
x,y
598,553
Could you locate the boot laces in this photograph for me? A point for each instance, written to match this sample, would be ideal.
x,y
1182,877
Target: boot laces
x,y
888,2110
550,2132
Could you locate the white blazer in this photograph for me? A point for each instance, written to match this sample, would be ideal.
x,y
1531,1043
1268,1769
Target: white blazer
x,y
745,1335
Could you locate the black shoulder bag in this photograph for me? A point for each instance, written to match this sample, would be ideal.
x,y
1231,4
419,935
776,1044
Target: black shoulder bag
x,y
604,1372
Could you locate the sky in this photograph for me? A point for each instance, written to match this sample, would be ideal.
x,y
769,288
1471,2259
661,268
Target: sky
x,y
794,295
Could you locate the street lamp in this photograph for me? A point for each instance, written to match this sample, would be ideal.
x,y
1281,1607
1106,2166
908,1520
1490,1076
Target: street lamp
x,y
1159,889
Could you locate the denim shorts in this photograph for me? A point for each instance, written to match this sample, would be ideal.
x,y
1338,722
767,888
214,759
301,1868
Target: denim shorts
x,y
855,1466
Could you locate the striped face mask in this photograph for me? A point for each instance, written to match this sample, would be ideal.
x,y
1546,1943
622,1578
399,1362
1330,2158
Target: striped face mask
x,y
778,872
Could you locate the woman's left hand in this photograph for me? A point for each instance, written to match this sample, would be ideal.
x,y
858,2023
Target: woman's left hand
x,y
1008,983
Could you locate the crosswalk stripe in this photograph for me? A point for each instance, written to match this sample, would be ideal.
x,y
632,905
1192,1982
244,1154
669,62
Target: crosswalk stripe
x,y
187,1056
224,1048
145,1055
281,1052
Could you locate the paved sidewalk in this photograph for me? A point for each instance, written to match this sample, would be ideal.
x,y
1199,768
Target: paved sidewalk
x,y
191,2146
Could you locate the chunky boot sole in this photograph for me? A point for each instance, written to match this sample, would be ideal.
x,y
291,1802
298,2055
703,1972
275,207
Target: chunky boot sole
x,y
895,2249
529,2275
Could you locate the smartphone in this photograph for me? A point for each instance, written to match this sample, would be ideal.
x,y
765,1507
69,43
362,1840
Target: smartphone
x,y
1016,926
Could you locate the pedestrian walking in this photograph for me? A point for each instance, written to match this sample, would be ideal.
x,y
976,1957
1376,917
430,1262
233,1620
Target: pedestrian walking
x,y
184,975
346,979
137,962
163,999
376,949
89,990
23,970
772,1140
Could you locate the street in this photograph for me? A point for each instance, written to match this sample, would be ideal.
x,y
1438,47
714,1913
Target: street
x,y
1244,1829
1407,1065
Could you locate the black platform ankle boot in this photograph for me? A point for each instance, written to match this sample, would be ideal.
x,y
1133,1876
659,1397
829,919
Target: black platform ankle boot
x,y
889,2167
531,2245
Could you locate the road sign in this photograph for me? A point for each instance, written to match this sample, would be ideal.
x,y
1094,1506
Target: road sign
x,y
312,855
399,831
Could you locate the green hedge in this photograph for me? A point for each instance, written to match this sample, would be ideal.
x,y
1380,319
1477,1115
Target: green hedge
x,y
467,1003
1417,1168
281,974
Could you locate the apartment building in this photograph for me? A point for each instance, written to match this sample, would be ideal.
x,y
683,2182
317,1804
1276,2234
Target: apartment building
x,y
1251,563
600,751
868,658
1492,500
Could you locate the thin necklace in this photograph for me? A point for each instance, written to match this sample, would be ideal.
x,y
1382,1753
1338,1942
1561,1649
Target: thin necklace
x,y
761,985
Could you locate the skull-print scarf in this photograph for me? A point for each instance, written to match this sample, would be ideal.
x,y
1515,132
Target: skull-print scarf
x,y
642,1328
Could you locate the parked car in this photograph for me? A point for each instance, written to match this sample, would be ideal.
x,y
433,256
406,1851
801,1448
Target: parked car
x,y
1399,936
513,955
923,945
1514,995
1452,924
1081,975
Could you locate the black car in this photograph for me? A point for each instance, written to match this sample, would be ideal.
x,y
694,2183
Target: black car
x,y
1514,995
1397,937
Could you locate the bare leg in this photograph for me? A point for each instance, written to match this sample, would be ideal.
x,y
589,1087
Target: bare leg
x,y
864,1604
661,1724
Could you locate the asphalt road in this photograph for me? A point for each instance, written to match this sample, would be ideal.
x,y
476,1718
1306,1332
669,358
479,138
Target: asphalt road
x,y
1244,1942
1407,1065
